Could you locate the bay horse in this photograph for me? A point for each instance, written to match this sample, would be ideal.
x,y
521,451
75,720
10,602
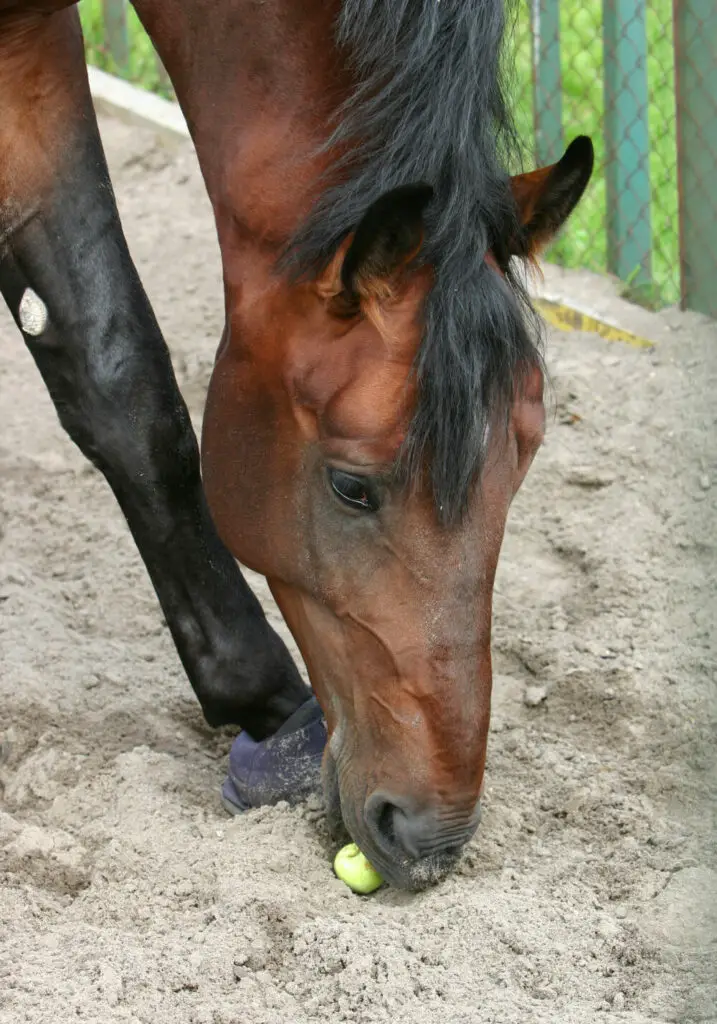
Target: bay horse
x,y
377,396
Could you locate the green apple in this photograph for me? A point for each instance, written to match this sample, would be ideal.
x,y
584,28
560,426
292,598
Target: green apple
x,y
352,868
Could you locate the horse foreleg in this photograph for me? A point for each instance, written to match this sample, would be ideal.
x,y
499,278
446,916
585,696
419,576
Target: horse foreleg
x,y
67,276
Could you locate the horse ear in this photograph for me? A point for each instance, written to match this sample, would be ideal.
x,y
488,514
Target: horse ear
x,y
368,264
546,197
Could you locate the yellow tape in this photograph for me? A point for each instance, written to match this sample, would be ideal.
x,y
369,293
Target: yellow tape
x,y
567,319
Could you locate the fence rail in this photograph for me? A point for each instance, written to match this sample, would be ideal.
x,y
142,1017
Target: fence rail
x,y
638,76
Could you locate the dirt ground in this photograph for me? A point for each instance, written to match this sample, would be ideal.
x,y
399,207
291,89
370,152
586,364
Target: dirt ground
x,y
590,891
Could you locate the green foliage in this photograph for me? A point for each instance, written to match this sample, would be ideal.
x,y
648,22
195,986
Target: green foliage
x,y
583,244
142,66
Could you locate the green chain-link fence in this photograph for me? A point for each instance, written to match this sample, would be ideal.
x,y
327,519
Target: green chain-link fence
x,y
638,76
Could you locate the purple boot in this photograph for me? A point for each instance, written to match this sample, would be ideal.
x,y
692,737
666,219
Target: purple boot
x,y
287,766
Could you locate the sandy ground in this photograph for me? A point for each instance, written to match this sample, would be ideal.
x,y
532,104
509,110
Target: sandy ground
x,y
590,890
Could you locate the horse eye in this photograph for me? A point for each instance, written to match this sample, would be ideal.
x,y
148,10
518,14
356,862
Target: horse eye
x,y
359,492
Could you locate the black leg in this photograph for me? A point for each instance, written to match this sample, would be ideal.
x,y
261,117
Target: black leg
x,y
69,281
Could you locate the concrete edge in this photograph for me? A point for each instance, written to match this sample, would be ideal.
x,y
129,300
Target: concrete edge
x,y
114,97
567,316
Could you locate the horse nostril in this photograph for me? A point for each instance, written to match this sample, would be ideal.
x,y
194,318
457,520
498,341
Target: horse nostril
x,y
383,814
406,832
380,818
397,829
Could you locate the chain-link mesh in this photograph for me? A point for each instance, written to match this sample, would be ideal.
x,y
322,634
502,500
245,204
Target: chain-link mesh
x,y
696,89
638,76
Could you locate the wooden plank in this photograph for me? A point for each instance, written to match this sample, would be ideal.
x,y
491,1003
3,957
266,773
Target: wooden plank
x,y
116,33
627,142
547,81
696,93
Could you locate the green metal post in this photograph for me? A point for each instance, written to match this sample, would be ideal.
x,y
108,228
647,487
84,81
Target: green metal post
x,y
696,88
547,81
627,142
115,12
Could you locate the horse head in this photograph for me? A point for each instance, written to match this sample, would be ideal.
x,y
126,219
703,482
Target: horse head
x,y
310,410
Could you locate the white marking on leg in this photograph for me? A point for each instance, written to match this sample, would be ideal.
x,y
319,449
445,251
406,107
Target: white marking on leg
x,y
32,313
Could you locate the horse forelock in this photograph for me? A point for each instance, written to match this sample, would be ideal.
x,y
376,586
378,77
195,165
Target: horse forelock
x,y
428,105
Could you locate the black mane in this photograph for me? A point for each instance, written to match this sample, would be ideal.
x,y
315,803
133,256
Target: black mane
x,y
430,107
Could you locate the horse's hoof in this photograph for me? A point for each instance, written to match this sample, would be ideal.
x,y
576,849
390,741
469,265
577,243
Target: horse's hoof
x,y
287,766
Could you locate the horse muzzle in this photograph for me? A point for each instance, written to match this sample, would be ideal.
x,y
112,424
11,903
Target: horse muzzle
x,y
411,846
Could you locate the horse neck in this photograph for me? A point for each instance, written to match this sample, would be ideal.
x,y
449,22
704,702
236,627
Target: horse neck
x,y
258,84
